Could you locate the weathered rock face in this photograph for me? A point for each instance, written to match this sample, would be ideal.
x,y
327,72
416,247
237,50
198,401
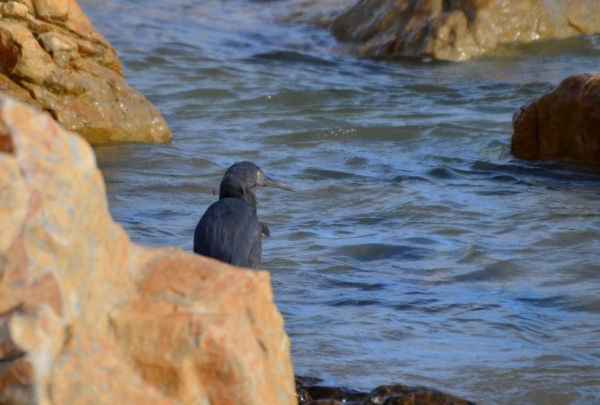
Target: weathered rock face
x,y
87,317
461,29
563,124
51,56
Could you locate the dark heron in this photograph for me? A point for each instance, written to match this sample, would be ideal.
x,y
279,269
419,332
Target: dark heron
x,y
229,230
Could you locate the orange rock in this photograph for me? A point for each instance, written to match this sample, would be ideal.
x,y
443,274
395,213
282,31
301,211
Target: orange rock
x,y
210,325
563,124
14,9
66,67
93,318
89,371
460,29
52,9
31,337
28,4
11,89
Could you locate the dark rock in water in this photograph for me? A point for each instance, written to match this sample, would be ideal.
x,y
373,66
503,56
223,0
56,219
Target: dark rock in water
x,y
403,394
310,392
303,395
562,125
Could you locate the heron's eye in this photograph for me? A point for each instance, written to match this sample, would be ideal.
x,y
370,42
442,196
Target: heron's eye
x,y
258,174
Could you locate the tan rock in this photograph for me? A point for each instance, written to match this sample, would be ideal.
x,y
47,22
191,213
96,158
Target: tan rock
x,y
13,200
88,317
52,9
460,29
89,371
18,384
89,39
45,366
31,337
29,5
211,326
66,67
14,9
563,124
64,50
22,56
11,89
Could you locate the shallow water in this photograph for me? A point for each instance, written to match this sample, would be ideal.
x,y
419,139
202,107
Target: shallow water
x,y
417,250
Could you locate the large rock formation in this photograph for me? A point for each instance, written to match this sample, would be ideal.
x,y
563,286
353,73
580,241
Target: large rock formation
x,y
461,29
51,56
563,124
87,317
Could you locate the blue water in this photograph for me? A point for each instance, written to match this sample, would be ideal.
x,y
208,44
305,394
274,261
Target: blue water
x,y
417,249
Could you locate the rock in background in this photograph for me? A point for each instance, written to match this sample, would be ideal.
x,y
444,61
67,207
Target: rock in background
x,y
461,29
563,124
87,317
52,57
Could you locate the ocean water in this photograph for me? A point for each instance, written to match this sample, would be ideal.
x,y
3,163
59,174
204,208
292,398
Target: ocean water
x,y
417,250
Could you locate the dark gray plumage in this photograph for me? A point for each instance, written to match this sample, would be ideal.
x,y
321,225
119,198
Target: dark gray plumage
x,y
229,230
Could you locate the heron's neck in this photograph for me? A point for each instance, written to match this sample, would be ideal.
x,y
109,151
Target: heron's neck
x,y
228,191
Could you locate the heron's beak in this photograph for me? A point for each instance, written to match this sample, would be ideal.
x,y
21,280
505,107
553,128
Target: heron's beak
x,y
274,183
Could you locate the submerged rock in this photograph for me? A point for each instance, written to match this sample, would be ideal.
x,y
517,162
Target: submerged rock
x,y
460,29
310,392
562,125
87,317
51,56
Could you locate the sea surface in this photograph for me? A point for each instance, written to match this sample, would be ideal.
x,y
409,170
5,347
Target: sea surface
x,y
417,250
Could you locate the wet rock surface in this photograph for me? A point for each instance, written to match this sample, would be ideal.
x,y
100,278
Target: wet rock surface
x,y
562,125
460,29
52,57
87,317
310,392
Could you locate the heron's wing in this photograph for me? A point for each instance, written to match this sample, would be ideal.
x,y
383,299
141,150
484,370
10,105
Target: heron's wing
x,y
230,231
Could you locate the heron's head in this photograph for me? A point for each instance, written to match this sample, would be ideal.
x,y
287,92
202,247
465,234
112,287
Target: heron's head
x,y
242,177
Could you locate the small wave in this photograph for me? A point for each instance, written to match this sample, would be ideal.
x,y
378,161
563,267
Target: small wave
x,y
293,57
381,251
